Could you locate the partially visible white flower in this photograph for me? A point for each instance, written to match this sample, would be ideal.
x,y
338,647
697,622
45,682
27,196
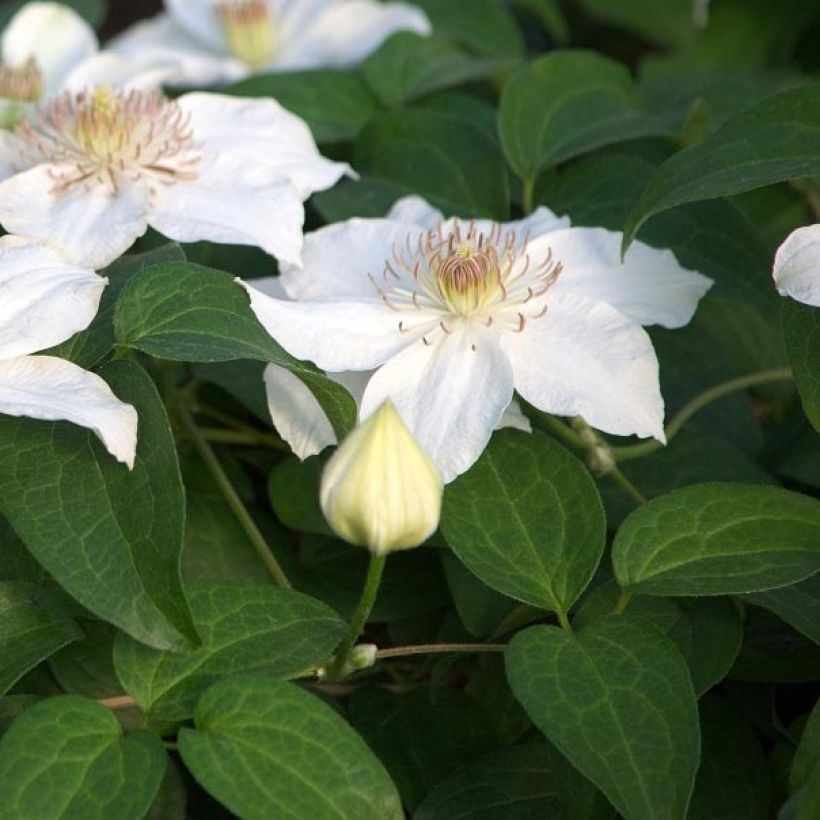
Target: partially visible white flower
x,y
454,318
43,302
380,490
47,48
296,413
219,41
101,166
797,266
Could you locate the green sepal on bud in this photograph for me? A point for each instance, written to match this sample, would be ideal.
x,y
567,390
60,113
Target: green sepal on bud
x,y
380,490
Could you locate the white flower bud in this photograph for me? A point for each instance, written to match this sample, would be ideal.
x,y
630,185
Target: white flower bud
x,y
380,490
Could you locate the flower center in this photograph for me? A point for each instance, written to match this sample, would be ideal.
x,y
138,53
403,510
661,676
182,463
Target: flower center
x,y
105,135
466,273
250,31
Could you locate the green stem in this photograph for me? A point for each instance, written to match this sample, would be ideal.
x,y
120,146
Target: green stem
x,y
623,601
371,589
233,499
563,620
436,648
626,485
528,195
562,431
697,404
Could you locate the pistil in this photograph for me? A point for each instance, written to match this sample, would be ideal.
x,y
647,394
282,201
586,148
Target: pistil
x,y
250,31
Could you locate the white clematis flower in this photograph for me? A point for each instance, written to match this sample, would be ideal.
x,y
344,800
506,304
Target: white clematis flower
x,y
797,266
47,48
219,41
44,302
299,418
455,316
103,165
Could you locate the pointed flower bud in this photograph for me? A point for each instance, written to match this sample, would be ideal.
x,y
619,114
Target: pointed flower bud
x,y
380,490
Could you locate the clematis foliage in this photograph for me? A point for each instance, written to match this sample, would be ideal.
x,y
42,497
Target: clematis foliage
x,y
410,410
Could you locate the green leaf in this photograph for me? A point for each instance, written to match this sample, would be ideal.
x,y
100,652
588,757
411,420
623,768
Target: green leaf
x,y
807,755
445,157
90,347
734,780
551,16
112,538
527,520
188,313
245,629
483,26
517,783
67,757
92,10
718,539
801,329
409,66
798,605
86,667
293,489
617,700
776,140
335,104
569,103
265,748
665,22
32,627
421,736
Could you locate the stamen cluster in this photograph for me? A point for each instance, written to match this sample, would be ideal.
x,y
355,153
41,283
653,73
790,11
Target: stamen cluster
x,y
102,135
21,84
464,273
249,29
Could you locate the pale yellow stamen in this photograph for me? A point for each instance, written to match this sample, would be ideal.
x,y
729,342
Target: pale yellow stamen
x,y
21,83
106,135
250,31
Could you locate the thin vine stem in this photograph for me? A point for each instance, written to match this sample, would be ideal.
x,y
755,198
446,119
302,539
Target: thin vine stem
x,y
617,475
118,702
234,501
438,648
528,194
698,403
372,582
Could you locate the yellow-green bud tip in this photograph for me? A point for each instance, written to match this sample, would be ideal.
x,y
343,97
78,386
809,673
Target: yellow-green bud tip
x,y
380,490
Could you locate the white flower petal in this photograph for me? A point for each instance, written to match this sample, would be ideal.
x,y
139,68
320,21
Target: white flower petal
x,y
514,418
160,40
91,226
262,132
336,336
43,300
650,287
416,210
451,394
346,32
797,266
337,259
232,201
52,389
199,18
585,358
54,35
107,68
297,415
11,154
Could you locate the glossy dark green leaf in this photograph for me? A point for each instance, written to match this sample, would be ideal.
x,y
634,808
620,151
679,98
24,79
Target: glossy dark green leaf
x,y
483,26
798,605
86,667
266,748
734,781
516,783
666,22
444,157
92,345
32,627
527,520
617,700
184,312
293,488
409,66
807,755
112,538
421,736
776,140
718,539
801,329
335,104
245,629
569,103
67,757
551,16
